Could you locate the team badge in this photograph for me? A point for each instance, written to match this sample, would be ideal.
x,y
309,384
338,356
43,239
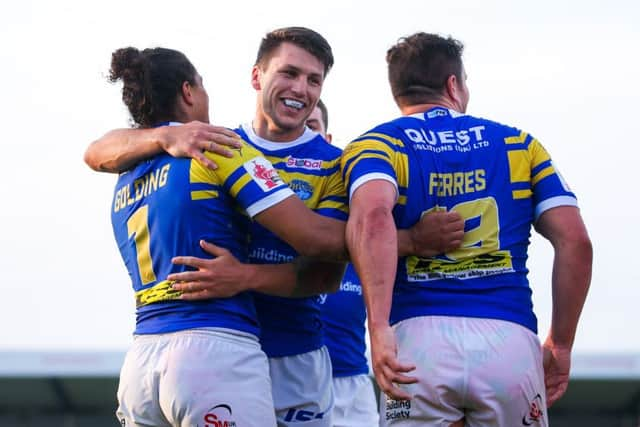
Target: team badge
x,y
303,189
263,173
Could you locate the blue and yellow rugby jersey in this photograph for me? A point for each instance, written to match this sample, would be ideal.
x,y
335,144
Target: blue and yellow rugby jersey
x,y
311,167
343,316
498,178
164,206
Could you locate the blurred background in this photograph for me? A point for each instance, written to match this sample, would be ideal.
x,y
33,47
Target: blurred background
x,y
564,71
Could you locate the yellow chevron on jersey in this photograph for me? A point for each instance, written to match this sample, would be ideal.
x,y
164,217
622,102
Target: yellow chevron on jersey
x,y
498,178
378,146
519,139
538,153
204,194
523,161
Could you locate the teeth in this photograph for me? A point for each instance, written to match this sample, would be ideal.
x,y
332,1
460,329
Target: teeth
x,y
292,103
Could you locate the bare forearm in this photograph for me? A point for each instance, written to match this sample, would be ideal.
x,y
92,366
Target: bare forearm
x,y
120,149
272,279
302,278
309,233
372,241
405,243
316,277
571,279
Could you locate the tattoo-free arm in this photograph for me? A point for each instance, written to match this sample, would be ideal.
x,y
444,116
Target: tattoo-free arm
x,y
571,277
225,276
120,149
372,242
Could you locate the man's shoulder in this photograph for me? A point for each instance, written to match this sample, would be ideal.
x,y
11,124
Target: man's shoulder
x,y
489,124
319,148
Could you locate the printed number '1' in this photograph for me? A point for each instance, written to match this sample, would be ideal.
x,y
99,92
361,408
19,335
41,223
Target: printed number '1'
x,y
138,228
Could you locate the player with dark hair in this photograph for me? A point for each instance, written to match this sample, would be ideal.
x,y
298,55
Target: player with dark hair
x,y
192,362
288,78
463,321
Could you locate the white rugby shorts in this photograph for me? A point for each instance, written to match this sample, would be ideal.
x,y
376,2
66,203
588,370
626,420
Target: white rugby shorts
x,y
302,389
355,402
195,377
485,370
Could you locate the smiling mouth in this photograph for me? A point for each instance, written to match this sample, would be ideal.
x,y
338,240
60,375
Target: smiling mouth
x,y
294,104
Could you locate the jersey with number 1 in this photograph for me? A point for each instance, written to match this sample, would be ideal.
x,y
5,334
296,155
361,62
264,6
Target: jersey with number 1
x,y
311,167
164,206
498,178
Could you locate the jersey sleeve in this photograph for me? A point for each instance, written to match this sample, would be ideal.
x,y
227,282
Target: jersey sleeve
x,y
533,170
333,202
374,155
247,176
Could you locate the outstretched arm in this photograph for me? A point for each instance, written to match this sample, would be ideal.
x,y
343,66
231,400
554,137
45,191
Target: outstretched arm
x,y
120,149
571,277
372,242
225,276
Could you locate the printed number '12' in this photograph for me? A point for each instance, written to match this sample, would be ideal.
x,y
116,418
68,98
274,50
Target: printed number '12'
x,y
138,228
484,237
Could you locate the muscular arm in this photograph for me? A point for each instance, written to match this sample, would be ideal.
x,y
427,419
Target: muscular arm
x,y
309,233
571,278
318,236
372,242
120,149
225,276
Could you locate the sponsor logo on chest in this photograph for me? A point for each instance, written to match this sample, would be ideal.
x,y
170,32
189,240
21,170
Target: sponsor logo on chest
x,y
309,164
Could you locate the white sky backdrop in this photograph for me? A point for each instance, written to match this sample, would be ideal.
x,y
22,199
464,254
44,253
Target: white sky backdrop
x,y
565,71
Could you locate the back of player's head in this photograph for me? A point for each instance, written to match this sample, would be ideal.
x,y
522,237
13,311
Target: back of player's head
x,y
325,114
419,66
152,80
302,37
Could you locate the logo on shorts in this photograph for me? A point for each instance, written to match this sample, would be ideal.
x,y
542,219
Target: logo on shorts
x,y
263,173
397,409
294,414
303,189
535,411
219,416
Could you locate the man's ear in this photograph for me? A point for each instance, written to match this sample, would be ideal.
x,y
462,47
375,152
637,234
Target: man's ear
x,y
255,77
187,95
328,137
452,87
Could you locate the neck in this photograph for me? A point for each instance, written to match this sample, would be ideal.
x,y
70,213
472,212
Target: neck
x,y
267,129
408,110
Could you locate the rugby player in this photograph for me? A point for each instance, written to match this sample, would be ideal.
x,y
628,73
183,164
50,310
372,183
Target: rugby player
x,y
454,336
288,75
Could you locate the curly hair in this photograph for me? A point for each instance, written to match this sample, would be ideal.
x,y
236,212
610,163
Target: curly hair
x,y
152,79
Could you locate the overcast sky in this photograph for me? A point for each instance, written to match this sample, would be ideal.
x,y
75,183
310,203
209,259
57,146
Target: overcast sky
x,y
567,72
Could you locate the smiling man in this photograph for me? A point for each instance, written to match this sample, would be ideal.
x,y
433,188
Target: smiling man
x,y
288,75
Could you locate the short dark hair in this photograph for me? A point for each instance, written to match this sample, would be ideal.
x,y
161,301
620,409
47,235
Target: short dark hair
x,y
152,80
302,37
419,66
324,113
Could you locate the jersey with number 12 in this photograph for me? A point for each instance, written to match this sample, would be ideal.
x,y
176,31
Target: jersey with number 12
x,y
497,177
